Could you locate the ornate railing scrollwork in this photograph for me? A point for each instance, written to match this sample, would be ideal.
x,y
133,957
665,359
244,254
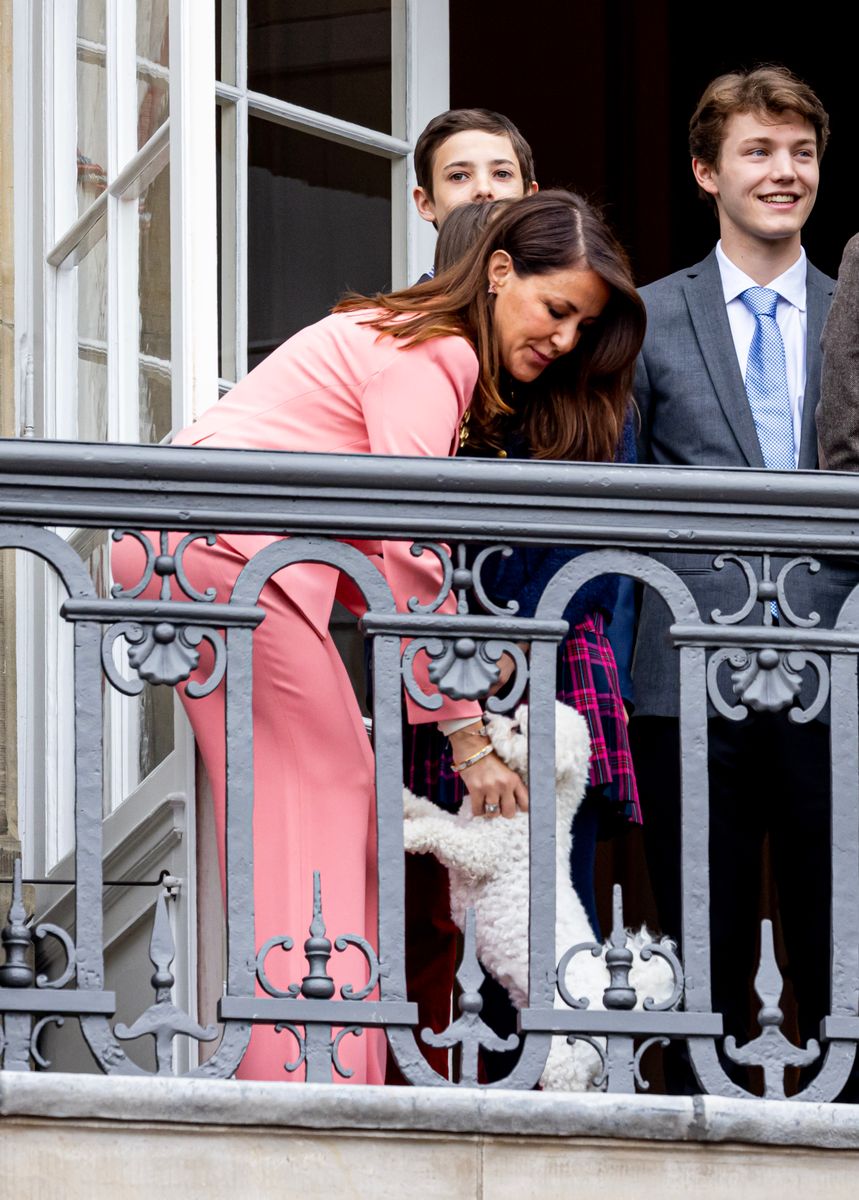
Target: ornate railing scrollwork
x,y
16,939
771,1050
469,1030
769,654
316,1047
767,680
164,564
766,591
30,1002
65,977
764,677
38,1029
465,667
163,1021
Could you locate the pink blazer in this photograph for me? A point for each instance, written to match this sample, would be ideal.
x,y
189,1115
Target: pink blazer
x,y
337,387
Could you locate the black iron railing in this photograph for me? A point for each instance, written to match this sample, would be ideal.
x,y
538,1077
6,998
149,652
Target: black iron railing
x,y
624,517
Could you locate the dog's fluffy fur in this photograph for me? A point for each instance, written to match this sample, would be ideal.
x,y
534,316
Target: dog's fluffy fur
x,y
488,865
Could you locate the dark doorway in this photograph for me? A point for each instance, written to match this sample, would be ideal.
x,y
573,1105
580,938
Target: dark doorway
x,y
603,90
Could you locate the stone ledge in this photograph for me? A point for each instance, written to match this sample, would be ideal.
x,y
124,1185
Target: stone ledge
x,y
234,1103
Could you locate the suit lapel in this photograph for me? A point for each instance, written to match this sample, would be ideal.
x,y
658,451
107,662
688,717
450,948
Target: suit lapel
x,y
819,289
706,303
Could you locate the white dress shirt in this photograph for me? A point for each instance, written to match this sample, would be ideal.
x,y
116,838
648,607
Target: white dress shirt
x,y
791,318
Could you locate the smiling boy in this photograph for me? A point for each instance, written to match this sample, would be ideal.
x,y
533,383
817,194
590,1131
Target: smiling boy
x,y
729,376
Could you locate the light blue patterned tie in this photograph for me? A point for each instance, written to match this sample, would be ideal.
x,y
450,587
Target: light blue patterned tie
x,y
766,381
766,386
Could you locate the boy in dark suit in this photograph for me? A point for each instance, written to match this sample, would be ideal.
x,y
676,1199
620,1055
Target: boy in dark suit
x,y
729,376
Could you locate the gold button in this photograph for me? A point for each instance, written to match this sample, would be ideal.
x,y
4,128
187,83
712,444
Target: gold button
x,y
502,453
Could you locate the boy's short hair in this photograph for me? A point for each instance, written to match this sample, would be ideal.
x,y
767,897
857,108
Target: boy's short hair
x,y
457,120
768,89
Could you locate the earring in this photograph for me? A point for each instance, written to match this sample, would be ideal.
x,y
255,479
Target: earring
x,y
491,289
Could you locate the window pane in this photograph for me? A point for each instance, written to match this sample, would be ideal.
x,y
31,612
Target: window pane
x,y
91,20
91,103
154,292
225,40
333,56
155,730
225,150
319,224
152,61
91,545
92,345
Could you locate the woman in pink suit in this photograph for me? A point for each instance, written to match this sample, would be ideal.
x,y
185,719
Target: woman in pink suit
x,y
488,343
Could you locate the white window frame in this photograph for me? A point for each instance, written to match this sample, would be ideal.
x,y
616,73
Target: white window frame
x,y
420,90
51,238
68,236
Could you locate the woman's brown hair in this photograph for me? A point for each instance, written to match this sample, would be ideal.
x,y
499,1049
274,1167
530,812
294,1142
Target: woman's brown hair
x,y
577,407
461,230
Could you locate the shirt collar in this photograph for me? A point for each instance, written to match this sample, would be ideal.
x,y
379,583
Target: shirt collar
x,y
790,285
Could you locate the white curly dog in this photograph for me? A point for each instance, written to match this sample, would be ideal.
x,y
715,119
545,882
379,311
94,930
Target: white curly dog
x,y
488,865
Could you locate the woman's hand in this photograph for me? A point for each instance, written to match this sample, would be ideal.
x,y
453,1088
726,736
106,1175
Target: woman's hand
x,y
494,789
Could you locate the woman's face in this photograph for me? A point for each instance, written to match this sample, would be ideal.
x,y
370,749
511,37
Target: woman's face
x,y
537,318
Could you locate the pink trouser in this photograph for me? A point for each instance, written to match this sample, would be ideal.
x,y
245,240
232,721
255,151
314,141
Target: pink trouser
x,y
314,799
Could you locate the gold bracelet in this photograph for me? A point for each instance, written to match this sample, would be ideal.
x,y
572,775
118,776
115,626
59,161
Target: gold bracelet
x,y
469,762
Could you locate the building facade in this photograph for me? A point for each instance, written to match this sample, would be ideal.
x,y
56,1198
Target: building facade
x,y
184,186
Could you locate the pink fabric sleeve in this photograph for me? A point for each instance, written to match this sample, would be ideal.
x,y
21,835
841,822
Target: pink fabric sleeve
x,y
413,406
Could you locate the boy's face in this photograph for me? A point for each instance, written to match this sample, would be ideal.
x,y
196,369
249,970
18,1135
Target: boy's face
x,y
766,180
471,167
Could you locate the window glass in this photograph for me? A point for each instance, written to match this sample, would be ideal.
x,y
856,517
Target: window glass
x,y
225,150
155,728
152,61
333,56
154,296
92,346
91,103
225,40
319,224
91,20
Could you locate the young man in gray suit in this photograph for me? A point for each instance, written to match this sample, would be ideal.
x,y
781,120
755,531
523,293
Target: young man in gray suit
x,y
729,377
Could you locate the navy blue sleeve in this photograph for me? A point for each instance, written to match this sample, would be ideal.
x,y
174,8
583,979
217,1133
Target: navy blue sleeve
x,y
621,634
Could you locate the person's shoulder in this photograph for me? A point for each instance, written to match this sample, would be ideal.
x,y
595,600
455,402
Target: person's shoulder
x,y
815,278
335,325
455,356
672,285
851,253
453,350
848,271
450,355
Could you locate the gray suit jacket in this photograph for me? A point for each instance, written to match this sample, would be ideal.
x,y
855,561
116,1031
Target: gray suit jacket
x,y
695,412
838,411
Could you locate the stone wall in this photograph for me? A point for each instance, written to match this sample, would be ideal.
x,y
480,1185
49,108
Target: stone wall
x,y
63,1137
